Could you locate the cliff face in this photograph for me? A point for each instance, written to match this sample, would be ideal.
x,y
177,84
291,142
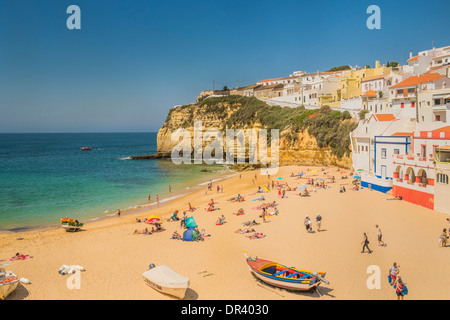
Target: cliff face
x,y
296,146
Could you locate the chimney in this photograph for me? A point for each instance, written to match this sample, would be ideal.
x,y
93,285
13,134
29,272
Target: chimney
x,y
410,54
377,64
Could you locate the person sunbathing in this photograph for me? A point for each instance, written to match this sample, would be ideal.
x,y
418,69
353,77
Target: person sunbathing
x,y
145,231
203,234
247,230
257,236
191,208
176,235
20,256
240,212
211,207
395,198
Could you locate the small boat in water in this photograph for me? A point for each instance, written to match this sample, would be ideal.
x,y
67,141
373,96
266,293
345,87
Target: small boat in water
x,y
8,283
284,277
165,280
86,148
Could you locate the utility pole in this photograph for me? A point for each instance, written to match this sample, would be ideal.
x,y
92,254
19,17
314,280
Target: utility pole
x,y
214,84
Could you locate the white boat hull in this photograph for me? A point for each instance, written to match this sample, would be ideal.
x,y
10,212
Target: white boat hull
x,y
176,292
7,289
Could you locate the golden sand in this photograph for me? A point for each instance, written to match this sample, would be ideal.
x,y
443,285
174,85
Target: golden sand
x,y
115,258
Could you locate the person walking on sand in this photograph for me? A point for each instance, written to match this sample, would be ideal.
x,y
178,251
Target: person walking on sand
x,y
393,273
318,221
400,289
118,213
380,235
264,215
308,223
366,244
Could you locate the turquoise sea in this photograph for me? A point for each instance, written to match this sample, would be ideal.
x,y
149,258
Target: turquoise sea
x,y
45,177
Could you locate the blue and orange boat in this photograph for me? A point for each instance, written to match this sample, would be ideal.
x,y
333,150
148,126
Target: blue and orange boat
x,y
284,277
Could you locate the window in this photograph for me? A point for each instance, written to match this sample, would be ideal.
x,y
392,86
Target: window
x,y
396,151
423,151
383,153
442,178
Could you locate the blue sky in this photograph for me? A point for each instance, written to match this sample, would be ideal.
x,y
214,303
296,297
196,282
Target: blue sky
x,y
134,60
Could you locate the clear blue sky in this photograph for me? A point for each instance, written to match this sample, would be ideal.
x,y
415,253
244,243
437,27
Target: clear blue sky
x,y
134,60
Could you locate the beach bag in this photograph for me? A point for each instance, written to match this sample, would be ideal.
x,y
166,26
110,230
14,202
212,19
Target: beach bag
x,y
390,279
405,290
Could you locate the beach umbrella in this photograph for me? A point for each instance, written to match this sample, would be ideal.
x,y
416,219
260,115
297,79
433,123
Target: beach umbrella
x,y
279,178
356,177
302,187
153,219
360,170
319,179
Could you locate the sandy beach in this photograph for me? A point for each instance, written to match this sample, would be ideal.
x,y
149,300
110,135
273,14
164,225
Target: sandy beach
x,y
115,258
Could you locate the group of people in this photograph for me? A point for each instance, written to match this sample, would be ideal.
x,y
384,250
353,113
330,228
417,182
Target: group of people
x,y
308,223
396,281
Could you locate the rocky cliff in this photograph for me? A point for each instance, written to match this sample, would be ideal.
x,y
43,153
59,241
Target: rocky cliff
x,y
298,141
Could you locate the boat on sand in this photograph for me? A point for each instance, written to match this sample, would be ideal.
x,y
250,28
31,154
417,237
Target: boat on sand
x,y
289,278
165,280
8,283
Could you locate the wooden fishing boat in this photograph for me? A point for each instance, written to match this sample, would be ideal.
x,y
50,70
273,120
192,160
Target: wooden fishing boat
x,y
165,280
86,148
8,283
70,224
284,277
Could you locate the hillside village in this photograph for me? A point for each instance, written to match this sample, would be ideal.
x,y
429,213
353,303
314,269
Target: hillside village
x,y
402,141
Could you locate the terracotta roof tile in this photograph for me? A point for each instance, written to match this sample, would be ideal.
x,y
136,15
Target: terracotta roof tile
x,y
415,80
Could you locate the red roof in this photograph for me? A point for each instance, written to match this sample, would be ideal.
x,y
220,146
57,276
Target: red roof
x,y
443,129
432,70
415,80
413,58
370,93
384,117
268,80
403,134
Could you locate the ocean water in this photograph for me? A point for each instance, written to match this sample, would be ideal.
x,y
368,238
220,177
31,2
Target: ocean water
x,y
45,177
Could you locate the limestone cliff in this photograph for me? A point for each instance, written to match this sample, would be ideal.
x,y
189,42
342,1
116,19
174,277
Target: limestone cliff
x,y
297,145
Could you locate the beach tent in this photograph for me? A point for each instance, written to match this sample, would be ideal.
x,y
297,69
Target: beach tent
x,y
190,234
190,223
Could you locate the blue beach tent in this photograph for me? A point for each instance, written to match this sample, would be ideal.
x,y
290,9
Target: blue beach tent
x,y
190,234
